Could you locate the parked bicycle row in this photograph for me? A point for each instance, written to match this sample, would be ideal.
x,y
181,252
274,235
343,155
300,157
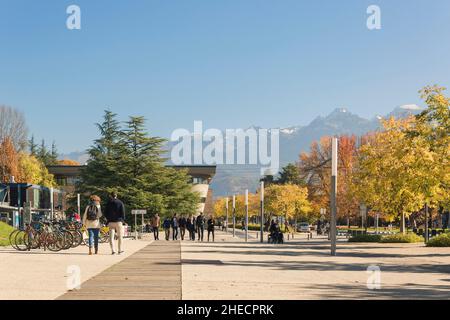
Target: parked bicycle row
x,y
52,235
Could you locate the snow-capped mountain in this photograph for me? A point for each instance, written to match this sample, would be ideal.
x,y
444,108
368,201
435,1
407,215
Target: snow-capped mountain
x,y
293,140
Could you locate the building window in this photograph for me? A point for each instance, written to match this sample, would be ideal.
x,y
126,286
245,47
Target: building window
x,y
199,180
61,181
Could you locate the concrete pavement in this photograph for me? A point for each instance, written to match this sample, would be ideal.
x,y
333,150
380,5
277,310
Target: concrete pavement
x,y
302,269
39,275
232,269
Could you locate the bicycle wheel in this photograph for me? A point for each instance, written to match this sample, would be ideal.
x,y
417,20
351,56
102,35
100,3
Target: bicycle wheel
x,y
53,241
77,238
67,240
104,236
11,239
22,241
34,239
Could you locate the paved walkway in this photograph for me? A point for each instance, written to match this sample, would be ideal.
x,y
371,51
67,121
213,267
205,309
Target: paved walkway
x,y
152,273
44,275
231,269
302,269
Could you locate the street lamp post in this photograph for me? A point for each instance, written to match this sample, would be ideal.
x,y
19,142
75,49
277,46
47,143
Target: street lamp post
x,y
226,208
377,222
334,166
426,223
262,212
78,204
234,215
51,204
246,215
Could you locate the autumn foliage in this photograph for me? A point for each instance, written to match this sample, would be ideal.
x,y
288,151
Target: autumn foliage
x,y
68,162
22,166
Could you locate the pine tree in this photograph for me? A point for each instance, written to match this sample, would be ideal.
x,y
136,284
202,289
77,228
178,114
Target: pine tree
x,y
33,146
100,175
129,161
43,154
53,159
290,174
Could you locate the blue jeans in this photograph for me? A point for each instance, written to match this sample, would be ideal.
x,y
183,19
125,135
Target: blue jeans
x,y
93,237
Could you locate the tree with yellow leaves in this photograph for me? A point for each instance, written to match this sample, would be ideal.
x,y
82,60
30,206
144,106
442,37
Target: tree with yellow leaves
x,y
392,168
31,170
432,130
288,200
406,165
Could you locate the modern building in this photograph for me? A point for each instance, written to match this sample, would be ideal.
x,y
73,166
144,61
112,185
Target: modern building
x,y
201,176
31,199
201,180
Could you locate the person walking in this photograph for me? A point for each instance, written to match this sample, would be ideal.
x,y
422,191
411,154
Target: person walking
x,y
156,223
166,227
200,224
211,226
91,220
115,216
189,226
174,227
183,224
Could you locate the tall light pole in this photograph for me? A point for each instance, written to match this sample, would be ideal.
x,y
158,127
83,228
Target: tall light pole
x,y
427,236
262,211
226,208
79,204
377,221
51,204
334,167
234,215
246,215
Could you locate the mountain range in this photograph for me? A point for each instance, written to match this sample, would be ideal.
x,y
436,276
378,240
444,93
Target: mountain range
x,y
231,179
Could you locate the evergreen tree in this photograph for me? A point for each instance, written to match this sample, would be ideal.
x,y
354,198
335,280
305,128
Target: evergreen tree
x,y
53,158
100,175
48,158
290,174
129,161
43,154
33,146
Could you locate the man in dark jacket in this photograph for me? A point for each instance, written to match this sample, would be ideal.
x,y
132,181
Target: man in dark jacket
x,y
200,224
115,215
183,226
174,227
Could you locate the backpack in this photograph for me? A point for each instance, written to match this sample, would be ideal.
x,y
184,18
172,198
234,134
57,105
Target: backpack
x,y
166,224
92,213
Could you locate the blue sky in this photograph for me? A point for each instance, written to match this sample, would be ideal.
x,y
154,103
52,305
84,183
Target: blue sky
x,y
230,63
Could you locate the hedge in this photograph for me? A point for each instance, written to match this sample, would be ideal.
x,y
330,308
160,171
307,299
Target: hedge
x,y
402,238
395,238
442,240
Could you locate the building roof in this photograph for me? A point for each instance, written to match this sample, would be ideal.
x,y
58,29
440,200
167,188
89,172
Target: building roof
x,y
193,170
65,170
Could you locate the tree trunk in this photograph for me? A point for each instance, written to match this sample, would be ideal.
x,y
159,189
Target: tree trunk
x,y
403,224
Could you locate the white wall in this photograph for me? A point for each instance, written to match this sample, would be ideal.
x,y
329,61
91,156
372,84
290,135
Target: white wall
x,y
202,189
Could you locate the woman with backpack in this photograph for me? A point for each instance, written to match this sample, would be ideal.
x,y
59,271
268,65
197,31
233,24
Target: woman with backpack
x,y
166,226
91,220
